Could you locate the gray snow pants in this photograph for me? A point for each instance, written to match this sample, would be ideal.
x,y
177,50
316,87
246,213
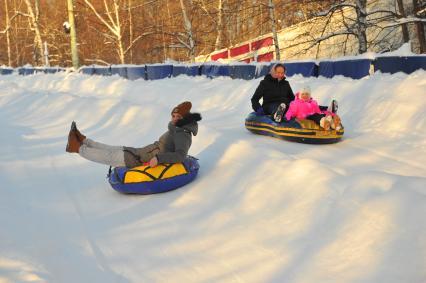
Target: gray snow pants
x,y
102,153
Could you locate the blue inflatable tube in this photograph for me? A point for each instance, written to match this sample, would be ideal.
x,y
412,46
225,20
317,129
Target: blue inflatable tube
x,y
116,178
304,132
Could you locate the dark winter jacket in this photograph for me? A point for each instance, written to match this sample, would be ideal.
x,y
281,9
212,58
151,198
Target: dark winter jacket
x,y
272,91
171,147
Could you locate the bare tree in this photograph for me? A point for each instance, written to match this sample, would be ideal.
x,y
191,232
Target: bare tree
x,y
34,16
387,19
356,27
218,42
130,15
274,29
115,25
405,34
9,55
189,43
420,26
354,21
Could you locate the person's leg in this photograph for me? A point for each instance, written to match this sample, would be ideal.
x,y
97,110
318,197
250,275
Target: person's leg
x,y
137,156
321,119
98,145
279,113
270,108
315,117
336,123
113,156
277,110
148,152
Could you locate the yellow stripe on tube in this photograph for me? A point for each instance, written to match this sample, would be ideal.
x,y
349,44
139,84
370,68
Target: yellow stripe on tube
x,y
136,175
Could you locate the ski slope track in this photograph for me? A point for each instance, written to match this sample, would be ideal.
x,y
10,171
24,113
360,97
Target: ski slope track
x,y
260,210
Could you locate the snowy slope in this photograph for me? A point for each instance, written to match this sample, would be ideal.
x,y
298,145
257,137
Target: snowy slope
x,y
261,209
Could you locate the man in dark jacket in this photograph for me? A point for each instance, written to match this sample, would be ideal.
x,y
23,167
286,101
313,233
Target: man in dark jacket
x,y
171,147
276,93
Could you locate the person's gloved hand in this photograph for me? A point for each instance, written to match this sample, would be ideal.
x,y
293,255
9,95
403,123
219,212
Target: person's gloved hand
x,y
260,111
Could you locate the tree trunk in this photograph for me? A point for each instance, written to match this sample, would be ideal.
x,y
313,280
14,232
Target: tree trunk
x,y
9,55
118,30
361,25
219,27
420,29
114,25
38,43
16,45
274,29
170,50
405,34
188,29
129,11
73,35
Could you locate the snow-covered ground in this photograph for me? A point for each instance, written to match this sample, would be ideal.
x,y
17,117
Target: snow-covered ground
x,y
261,209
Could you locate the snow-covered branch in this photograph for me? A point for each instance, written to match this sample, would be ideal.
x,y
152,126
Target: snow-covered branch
x,y
406,20
335,8
110,27
314,41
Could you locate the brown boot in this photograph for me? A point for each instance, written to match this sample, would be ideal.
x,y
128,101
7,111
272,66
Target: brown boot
x,y
325,123
337,123
80,136
73,145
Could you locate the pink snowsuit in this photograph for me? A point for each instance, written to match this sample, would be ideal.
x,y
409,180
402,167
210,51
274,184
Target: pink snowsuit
x,y
302,109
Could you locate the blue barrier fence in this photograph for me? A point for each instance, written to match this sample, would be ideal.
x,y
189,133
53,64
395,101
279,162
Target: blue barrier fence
x,y
245,72
158,72
393,65
119,70
355,69
306,69
87,70
53,70
212,71
6,71
102,71
136,72
186,70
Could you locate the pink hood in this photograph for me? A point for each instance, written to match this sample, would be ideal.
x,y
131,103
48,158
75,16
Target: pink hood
x,y
302,109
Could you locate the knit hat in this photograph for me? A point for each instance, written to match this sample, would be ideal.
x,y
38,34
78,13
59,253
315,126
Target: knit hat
x,y
305,89
183,108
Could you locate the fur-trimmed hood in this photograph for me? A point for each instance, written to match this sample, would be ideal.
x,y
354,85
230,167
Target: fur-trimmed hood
x,y
189,122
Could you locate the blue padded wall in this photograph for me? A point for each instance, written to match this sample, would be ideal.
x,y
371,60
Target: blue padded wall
x,y
102,71
262,70
212,71
136,72
53,70
186,70
355,69
119,70
306,69
246,72
396,64
26,71
325,69
6,71
157,72
87,70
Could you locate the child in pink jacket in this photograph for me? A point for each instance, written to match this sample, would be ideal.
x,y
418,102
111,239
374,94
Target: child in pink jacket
x,y
305,107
